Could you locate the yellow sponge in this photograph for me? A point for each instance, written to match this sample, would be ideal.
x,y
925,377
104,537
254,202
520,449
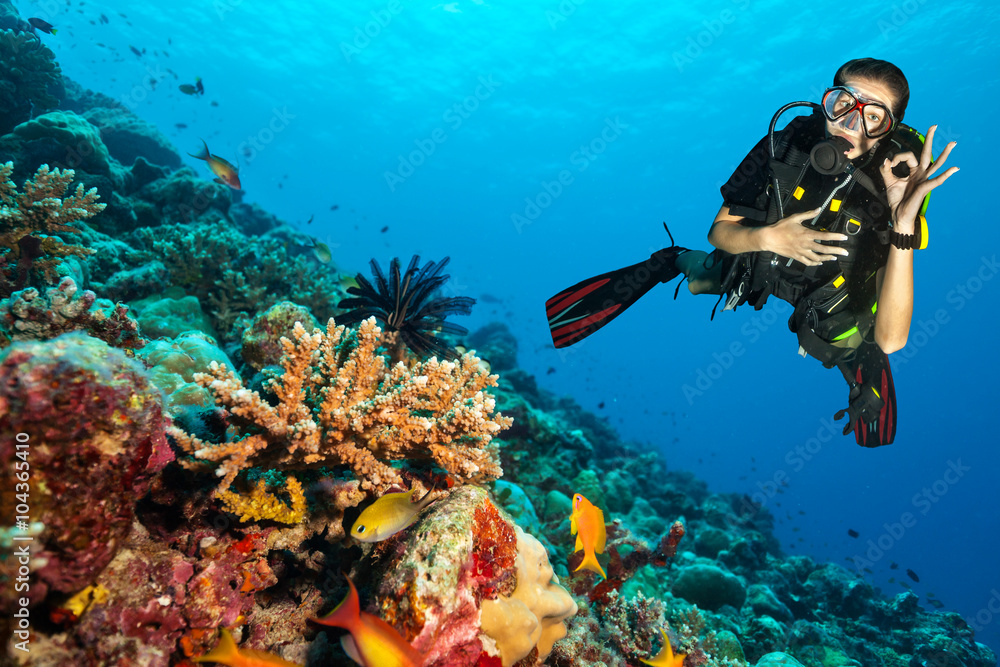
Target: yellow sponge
x,y
533,615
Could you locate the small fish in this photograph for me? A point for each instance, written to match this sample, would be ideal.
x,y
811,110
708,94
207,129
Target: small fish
x,y
893,565
385,229
934,602
309,221
600,406
137,52
587,523
892,580
550,370
372,642
227,174
852,532
192,89
388,515
104,19
666,657
226,653
42,25
321,251
912,575
334,207
213,103
180,126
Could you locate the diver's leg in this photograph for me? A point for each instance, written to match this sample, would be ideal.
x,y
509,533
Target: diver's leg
x,y
703,271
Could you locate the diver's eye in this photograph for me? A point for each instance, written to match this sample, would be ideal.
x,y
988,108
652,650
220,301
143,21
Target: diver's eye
x,y
360,529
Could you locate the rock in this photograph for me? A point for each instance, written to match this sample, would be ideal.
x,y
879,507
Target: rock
x,y
262,339
761,636
93,428
778,659
764,602
169,318
710,541
497,344
253,220
79,143
128,137
709,587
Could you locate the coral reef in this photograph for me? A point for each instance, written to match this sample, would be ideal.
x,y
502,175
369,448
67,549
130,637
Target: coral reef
x,y
338,404
30,78
31,220
234,277
95,435
30,315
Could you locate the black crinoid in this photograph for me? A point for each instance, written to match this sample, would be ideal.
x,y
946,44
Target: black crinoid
x,y
405,304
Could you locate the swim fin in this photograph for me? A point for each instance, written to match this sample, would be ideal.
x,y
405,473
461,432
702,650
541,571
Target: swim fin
x,y
872,409
580,310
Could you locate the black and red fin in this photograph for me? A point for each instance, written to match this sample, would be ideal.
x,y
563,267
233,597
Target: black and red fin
x,y
874,369
580,310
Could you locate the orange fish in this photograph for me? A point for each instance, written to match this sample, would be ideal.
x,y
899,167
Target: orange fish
x,y
227,173
226,653
587,523
666,657
372,642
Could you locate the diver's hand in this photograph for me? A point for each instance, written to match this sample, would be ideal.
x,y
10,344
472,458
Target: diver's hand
x,y
788,237
906,195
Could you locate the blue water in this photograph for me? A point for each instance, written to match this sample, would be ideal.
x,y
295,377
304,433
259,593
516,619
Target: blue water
x,y
491,102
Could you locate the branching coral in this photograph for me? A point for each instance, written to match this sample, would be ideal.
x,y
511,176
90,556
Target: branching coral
x,y
339,404
29,219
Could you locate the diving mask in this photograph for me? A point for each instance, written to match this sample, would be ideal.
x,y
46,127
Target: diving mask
x,y
854,112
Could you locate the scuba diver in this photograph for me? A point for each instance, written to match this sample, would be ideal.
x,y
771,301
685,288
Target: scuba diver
x,y
824,214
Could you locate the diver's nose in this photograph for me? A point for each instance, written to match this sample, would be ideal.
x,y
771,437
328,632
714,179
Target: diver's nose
x,y
851,121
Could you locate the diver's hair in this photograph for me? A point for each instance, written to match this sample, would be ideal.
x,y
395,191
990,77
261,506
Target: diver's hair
x,y
881,71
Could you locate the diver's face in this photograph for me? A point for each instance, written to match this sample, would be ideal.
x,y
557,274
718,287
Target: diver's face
x,y
870,90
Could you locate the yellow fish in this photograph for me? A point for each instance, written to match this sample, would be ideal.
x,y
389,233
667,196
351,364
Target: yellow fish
x,y
388,515
372,642
587,523
227,174
666,657
226,653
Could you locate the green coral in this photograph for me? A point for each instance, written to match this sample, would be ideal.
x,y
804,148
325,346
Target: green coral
x,y
235,276
30,220
30,78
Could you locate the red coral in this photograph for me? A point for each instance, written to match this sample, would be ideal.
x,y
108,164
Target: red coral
x,y
494,549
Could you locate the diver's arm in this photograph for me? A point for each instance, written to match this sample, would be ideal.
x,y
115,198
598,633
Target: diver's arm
x,y
906,197
895,299
787,237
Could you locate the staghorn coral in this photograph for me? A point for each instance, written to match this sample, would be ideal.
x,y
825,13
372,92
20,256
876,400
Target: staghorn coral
x,y
29,220
29,78
339,404
30,315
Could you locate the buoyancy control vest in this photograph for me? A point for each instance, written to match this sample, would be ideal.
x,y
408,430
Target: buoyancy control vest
x,y
835,303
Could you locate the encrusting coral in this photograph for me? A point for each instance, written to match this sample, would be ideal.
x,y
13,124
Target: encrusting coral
x,y
339,404
29,219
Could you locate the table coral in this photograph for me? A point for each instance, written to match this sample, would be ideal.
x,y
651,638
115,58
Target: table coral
x,y
339,404
41,211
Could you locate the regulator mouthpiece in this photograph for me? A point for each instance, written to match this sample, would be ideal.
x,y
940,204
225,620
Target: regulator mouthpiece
x,y
829,157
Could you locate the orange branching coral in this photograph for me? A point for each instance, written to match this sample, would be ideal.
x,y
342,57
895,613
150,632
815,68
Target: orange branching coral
x,y
29,219
339,404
